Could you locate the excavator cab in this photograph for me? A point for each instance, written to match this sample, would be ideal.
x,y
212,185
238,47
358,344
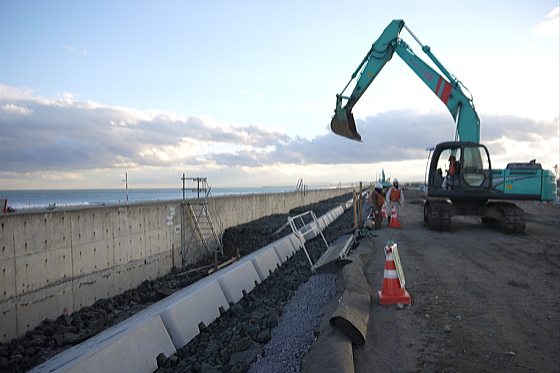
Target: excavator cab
x,y
460,170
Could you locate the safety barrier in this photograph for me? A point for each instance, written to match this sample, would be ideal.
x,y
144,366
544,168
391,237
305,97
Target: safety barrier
x,y
170,324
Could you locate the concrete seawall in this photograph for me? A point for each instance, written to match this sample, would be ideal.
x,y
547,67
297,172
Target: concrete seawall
x,y
62,260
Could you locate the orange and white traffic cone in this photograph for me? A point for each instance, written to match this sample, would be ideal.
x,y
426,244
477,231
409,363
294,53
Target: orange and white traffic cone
x,y
394,219
392,292
383,211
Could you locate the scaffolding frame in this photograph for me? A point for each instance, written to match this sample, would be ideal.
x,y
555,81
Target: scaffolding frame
x,y
210,231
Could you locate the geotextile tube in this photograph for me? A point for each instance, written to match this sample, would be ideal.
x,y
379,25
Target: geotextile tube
x,y
331,353
351,317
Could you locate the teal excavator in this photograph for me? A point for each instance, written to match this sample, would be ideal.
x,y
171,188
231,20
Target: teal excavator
x,y
469,186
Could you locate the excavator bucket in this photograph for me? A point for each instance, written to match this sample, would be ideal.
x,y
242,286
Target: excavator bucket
x,y
343,124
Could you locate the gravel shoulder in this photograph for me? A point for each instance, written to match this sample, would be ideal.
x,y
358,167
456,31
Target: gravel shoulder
x,y
482,301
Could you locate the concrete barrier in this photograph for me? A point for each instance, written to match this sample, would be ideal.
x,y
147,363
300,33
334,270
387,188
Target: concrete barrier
x,y
69,258
200,302
286,247
237,280
265,261
133,345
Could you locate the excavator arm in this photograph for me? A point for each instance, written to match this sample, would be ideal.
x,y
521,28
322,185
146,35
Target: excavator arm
x,y
448,89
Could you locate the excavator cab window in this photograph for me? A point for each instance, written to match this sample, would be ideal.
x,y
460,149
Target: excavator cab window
x,y
476,166
448,169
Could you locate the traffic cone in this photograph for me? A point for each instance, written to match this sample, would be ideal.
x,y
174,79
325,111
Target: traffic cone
x,y
383,211
392,292
394,219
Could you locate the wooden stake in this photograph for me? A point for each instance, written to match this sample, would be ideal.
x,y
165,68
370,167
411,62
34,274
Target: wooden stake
x,y
212,270
354,207
360,207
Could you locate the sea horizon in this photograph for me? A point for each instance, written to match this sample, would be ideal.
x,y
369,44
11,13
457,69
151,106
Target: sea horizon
x,y
33,199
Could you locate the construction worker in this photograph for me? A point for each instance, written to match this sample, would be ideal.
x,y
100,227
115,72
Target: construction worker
x,y
395,197
452,173
377,202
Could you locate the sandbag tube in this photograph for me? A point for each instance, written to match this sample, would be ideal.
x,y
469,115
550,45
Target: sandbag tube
x,y
347,326
164,327
352,314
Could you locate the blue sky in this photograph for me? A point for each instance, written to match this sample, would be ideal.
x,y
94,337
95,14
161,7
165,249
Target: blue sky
x,y
242,92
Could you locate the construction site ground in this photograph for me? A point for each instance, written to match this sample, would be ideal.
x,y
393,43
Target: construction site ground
x,y
482,301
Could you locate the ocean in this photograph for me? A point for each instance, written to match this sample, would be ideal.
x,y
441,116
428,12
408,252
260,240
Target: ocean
x,y
42,199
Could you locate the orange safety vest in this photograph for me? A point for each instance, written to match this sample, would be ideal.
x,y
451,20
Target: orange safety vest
x,y
452,168
380,199
395,194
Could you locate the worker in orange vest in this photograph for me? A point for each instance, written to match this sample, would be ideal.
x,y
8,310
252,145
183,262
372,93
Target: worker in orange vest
x,y
377,202
452,173
395,197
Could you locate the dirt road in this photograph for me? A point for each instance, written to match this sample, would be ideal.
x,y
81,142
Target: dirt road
x,y
482,301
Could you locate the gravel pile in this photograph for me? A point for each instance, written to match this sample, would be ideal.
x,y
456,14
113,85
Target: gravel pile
x,y
292,338
232,342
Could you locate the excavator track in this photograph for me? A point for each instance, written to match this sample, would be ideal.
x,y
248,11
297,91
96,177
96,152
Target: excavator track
x,y
437,215
505,217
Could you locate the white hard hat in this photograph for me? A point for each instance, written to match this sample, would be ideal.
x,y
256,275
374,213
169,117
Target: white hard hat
x,y
378,186
395,181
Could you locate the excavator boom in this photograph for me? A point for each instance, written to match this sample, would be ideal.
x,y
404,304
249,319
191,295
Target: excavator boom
x,y
448,89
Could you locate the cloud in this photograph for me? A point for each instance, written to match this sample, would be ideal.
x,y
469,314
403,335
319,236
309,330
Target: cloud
x,y
12,109
65,134
62,135
550,26
74,50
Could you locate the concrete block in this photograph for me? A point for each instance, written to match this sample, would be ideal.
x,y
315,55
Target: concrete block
x,y
131,346
266,261
236,278
286,247
183,312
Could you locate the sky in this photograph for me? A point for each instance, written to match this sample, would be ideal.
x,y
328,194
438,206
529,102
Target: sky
x,y
242,92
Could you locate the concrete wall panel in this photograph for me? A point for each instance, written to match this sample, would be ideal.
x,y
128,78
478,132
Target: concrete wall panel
x,y
89,288
49,302
42,269
92,257
7,278
41,232
8,320
7,243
